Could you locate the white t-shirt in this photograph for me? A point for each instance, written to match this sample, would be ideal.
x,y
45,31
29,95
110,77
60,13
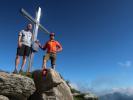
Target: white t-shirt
x,y
26,37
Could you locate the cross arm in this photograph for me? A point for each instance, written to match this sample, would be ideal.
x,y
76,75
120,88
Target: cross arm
x,y
32,20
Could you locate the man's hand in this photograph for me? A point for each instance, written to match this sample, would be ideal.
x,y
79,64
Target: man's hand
x,y
37,42
59,50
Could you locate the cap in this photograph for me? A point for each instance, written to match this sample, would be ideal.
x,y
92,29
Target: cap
x,y
52,34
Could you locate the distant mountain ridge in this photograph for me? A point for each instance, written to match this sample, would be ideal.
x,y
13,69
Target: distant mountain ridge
x,y
3,71
116,96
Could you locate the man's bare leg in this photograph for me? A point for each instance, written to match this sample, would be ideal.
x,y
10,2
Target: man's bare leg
x,y
44,71
17,61
44,64
53,60
23,63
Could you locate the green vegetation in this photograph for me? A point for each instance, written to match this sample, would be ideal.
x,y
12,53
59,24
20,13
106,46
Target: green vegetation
x,y
79,97
75,91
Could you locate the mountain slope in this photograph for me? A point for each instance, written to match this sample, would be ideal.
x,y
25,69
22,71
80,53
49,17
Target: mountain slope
x,y
116,96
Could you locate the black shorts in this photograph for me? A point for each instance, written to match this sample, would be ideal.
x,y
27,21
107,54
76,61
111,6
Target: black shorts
x,y
24,50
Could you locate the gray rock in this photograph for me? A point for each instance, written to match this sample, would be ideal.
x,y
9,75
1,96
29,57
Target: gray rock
x,y
51,80
16,87
3,97
51,87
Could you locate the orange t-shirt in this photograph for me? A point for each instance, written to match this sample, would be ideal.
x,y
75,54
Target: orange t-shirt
x,y
52,46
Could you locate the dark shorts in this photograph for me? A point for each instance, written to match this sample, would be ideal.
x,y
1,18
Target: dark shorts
x,y
51,56
24,50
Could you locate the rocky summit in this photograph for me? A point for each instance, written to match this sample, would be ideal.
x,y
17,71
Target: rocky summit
x,y
39,87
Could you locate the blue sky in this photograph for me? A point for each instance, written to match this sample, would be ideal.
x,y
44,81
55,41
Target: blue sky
x,y
96,35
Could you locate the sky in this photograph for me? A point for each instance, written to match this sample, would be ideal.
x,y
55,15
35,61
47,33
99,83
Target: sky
x,y
96,35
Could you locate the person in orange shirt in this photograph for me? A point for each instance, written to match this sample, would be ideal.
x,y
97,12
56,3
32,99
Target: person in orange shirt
x,y
52,46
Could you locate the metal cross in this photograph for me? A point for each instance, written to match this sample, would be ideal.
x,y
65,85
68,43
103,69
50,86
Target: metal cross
x,y
37,26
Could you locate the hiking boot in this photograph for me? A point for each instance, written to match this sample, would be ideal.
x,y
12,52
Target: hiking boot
x,y
28,74
21,71
15,71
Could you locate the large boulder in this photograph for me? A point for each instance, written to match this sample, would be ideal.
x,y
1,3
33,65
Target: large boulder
x,y
3,97
51,87
16,87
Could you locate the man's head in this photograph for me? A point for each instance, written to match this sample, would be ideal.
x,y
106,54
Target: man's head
x,y
52,35
29,27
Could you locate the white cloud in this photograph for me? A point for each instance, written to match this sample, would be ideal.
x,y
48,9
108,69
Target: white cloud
x,y
127,91
105,82
126,64
83,87
74,86
96,85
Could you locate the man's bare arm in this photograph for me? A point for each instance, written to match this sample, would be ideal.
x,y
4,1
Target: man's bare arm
x,y
59,47
19,40
41,46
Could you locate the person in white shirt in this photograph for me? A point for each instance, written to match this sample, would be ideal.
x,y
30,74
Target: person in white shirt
x,y
24,47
